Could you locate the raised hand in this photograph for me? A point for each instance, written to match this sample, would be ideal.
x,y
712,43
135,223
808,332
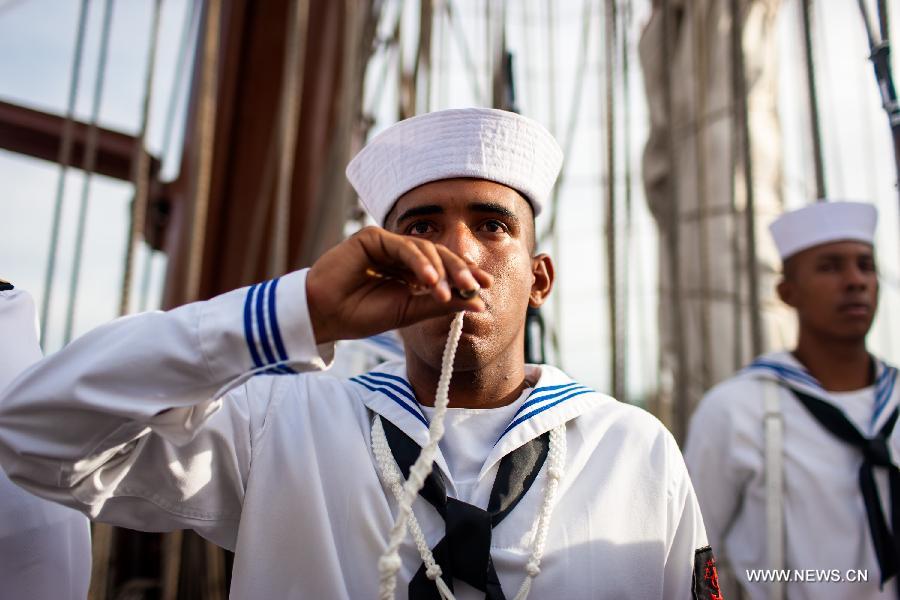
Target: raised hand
x,y
377,280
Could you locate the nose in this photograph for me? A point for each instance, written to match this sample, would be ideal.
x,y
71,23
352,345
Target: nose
x,y
855,278
461,240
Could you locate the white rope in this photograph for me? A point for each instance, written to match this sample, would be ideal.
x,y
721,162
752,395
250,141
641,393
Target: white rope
x,y
392,477
556,466
389,563
406,492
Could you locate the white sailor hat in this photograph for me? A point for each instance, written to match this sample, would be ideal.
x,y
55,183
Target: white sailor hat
x,y
822,223
482,143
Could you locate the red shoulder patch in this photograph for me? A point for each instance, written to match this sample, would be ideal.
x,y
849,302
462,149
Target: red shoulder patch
x,y
705,585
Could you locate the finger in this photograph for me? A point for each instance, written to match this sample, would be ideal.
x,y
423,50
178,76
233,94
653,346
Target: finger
x,y
389,247
441,292
483,278
459,273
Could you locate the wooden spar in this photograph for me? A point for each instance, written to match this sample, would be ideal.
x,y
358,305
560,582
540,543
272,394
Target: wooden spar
x,y
291,104
150,234
206,137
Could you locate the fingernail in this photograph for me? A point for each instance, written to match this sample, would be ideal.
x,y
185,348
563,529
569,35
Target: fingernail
x,y
431,273
469,294
444,286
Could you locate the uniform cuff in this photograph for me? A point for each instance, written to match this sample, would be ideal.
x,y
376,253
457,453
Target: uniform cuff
x,y
268,330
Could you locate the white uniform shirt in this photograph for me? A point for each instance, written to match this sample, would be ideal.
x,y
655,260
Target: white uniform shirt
x,y
166,427
826,526
45,548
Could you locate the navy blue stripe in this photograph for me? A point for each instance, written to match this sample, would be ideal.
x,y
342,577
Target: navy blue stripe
x,y
279,370
882,403
248,327
883,377
393,377
403,404
540,410
532,401
397,388
261,324
273,320
547,388
789,373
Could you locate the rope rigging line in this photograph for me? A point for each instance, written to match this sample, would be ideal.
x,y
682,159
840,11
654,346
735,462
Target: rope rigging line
x,y
880,56
141,170
739,84
701,66
389,45
625,28
63,159
90,158
423,55
612,254
464,50
672,240
550,230
188,30
556,328
574,110
814,122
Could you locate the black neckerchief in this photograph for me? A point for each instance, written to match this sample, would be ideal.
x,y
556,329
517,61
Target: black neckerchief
x,y
465,551
875,453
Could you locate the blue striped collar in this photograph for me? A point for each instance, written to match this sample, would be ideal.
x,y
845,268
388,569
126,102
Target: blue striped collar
x,y
554,400
784,368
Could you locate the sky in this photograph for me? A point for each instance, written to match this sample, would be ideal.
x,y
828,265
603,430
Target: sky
x,y
37,39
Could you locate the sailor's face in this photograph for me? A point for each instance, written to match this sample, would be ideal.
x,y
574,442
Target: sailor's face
x,y
487,224
834,288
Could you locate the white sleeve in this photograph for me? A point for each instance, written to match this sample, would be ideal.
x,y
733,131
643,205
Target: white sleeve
x,y
686,539
709,453
125,424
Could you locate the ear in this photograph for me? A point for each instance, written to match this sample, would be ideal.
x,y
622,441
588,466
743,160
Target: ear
x,y
543,274
787,292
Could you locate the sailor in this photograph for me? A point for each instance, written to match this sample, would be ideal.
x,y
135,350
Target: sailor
x,y
45,548
793,459
215,416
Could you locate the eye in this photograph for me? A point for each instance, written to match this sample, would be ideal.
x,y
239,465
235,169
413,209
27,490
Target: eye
x,y
420,228
867,266
494,226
